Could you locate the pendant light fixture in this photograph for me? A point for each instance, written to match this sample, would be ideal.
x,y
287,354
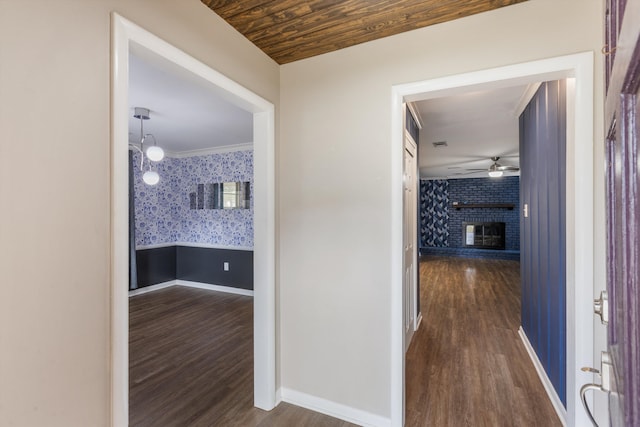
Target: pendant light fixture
x,y
152,152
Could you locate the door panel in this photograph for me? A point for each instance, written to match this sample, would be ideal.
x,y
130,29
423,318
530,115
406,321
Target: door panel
x,y
623,212
410,236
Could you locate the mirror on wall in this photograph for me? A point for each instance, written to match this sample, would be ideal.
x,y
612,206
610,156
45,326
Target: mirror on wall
x,y
221,195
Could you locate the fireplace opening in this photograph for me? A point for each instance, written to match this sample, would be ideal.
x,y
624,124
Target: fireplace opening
x,y
483,235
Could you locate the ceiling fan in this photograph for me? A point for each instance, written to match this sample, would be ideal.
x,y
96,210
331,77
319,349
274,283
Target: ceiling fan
x,y
496,169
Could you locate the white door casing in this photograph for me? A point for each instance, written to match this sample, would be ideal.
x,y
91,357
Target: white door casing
x,y
579,209
126,36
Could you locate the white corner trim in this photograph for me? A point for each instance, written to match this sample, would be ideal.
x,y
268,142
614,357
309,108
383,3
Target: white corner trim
x,y
152,288
526,97
333,409
217,288
211,150
546,382
278,396
415,113
417,322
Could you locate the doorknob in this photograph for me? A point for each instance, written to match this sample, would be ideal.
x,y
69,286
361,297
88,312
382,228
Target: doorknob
x,y
601,307
605,372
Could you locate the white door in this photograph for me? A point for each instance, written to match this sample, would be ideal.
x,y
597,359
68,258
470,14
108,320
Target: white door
x,y
409,237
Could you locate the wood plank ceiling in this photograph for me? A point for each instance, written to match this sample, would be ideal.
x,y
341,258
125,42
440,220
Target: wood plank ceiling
x,y
290,30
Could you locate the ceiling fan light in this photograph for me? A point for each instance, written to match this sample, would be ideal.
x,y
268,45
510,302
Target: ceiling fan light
x,y
495,173
155,153
151,177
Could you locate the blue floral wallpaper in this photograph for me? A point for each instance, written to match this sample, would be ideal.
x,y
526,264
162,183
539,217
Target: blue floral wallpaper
x,y
163,214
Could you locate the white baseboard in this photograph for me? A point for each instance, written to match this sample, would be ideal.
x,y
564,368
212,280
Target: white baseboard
x,y
278,396
546,382
217,288
151,288
418,322
333,409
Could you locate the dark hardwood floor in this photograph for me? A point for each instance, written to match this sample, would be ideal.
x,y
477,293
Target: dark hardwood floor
x,y
191,363
466,365
191,356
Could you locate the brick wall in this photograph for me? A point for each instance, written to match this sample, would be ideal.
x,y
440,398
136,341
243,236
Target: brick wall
x,y
473,190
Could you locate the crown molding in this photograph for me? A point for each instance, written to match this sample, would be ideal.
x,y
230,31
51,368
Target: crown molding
x,y
212,150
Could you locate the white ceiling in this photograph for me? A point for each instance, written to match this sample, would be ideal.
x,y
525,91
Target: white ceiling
x,y
187,113
476,126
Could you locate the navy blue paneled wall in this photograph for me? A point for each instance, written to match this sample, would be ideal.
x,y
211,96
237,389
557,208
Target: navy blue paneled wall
x,y
441,222
543,261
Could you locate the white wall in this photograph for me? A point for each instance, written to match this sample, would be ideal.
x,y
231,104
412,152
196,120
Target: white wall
x,y
335,183
54,187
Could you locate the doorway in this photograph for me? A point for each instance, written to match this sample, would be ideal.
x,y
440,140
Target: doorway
x,y
127,35
579,273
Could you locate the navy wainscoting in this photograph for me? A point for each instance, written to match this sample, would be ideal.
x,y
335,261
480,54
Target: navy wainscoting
x,y
195,264
156,265
543,159
205,265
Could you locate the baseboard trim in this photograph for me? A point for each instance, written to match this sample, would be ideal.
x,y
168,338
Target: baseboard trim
x,y
217,288
546,382
418,322
207,286
151,288
333,409
278,396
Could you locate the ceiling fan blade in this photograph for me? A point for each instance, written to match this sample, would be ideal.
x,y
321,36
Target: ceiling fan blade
x,y
469,172
509,168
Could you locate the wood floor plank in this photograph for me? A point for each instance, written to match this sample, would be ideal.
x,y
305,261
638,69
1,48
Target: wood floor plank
x,y
467,365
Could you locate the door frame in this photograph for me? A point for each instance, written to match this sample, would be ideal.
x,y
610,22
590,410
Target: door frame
x,y
125,35
579,209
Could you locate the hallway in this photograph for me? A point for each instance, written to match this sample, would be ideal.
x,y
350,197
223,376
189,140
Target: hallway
x,y
467,365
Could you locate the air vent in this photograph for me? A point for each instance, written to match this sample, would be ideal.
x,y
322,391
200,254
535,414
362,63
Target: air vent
x,y
440,144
